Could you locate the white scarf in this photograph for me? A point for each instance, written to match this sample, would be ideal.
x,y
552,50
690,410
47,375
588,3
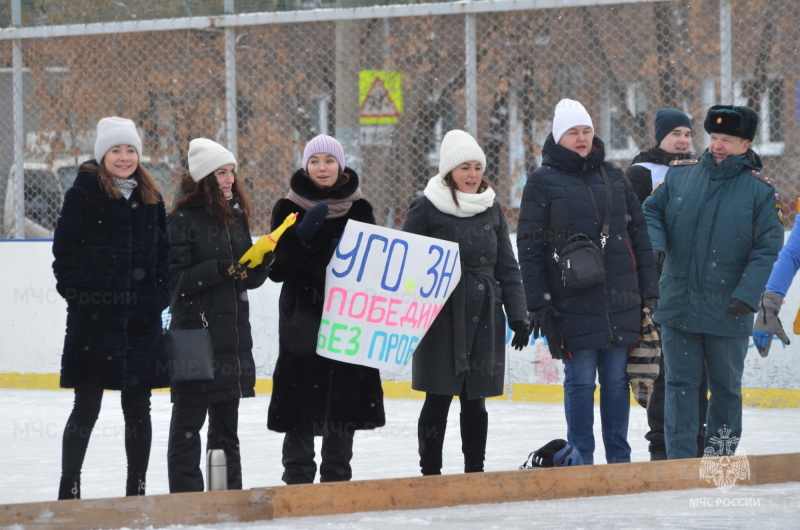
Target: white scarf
x,y
469,204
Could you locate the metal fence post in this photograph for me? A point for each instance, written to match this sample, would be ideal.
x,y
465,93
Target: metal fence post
x,y
19,128
231,123
725,53
471,66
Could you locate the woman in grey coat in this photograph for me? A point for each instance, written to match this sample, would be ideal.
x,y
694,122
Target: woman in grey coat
x,y
463,352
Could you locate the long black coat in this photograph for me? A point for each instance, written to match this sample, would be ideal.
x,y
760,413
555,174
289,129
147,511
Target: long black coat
x,y
567,196
466,342
111,267
312,394
198,245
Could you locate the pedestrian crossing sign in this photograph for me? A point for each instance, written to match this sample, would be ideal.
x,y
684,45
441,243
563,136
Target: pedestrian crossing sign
x,y
380,97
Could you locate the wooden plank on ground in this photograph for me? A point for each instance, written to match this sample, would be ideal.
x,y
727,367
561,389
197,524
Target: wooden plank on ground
x,y
140,512
260,504
775,469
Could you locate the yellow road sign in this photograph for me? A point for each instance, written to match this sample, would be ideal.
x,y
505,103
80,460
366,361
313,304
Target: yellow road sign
x,y
380,97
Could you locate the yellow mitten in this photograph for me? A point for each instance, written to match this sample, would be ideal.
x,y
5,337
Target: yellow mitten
x,y
255,254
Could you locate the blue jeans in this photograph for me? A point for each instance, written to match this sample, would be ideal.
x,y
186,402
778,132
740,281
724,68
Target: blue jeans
x,y
615,406
684,356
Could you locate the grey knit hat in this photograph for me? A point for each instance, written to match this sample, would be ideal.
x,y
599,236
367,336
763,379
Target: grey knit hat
x,y
115,131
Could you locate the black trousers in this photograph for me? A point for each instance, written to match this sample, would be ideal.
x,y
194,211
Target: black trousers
x,y
437,406
298,457
655,413
86,409
184,446
474,421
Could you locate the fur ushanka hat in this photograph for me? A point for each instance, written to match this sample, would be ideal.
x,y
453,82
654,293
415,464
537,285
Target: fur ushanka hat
x,y
734,121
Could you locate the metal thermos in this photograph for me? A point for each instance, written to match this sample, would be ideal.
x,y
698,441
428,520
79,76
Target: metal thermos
x,y
216,470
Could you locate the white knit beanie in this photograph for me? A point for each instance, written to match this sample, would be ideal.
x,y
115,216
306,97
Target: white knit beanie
x,y
206,156
324,144
115,131
458,147
569,113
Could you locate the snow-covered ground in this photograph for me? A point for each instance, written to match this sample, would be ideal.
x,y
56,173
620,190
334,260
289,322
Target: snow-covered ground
x,y
33,421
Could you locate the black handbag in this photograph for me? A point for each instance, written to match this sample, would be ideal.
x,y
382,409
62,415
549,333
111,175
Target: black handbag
x,y
582,262
191,353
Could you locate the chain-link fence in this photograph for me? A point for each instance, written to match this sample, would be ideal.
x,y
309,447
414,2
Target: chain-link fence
x,y
387,81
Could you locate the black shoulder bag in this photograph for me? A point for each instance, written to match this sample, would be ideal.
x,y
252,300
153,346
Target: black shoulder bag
x,y
191,354
581,261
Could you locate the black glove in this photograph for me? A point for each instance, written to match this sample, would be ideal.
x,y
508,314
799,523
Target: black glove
x,y
521,334
660,257
538,319
269,259
312,221
229,268
651,304
738,308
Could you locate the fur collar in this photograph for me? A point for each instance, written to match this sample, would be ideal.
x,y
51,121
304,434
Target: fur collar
x,y
303,186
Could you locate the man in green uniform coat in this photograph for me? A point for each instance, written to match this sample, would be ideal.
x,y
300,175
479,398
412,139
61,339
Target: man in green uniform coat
x,y
716,227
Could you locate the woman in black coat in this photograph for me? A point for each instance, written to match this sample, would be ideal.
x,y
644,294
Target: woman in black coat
x,y
111,255
463,352
209,231
313,395
590,329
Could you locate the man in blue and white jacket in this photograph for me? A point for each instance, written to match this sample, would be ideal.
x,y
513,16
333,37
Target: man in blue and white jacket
x,y
673,133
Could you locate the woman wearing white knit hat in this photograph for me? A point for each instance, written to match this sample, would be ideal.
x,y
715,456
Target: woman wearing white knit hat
x,y
463,353
589,327
110,264
209,231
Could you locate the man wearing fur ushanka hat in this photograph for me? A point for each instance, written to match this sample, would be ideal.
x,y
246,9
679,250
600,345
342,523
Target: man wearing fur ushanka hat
x,y
716,223
463,353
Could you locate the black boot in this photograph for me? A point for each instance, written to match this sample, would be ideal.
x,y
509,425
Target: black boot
x,y
431,438
474,428
135,485
69,487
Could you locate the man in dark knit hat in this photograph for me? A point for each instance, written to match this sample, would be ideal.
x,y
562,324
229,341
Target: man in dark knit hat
x,y
716,226
673,132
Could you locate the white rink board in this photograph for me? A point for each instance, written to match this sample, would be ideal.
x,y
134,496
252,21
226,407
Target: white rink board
x,y
34,315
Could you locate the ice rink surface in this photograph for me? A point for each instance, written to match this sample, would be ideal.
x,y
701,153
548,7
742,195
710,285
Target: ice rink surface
x,y
33,422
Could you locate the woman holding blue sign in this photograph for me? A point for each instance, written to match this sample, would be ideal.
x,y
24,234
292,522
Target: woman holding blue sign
x,y
313,395
463,352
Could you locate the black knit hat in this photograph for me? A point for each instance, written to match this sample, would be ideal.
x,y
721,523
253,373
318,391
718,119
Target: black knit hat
x,y
667,120
734,121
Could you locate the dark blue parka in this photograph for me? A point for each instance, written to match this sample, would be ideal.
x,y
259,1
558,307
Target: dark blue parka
x,y
567,196
110,265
